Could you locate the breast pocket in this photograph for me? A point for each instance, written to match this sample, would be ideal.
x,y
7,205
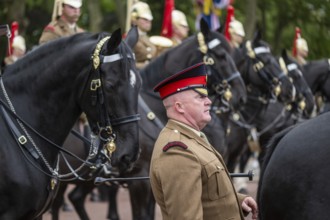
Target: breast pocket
x,y
218,183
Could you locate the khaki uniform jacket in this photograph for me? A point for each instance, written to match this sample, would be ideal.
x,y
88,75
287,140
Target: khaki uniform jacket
x,y
57,29
144,51
191,183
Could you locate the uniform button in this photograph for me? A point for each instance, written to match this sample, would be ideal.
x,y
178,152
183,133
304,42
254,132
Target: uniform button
x,y
149,56
148,49
176,131
218,167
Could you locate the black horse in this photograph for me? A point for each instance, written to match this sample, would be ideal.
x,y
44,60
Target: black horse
x,y
278,116
223,77
317,74
294,176
266,82
42,96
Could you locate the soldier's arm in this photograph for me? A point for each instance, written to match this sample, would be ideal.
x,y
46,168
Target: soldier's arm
x,y
180,178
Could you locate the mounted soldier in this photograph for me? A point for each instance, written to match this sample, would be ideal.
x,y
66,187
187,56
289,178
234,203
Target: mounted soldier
x,y
65,16
17,47
144,50
234,30
180,27
300,48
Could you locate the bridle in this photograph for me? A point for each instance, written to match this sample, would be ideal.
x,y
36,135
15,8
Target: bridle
x,y
289,70
104,126
274,81
223,88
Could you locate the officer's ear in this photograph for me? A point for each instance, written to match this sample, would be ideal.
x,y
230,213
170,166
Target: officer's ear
x,y
179,107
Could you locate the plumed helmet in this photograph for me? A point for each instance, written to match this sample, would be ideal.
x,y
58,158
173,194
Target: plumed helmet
x,y
179,18
236,27
299,43
73,3
19,43
141,10
58,6
302,44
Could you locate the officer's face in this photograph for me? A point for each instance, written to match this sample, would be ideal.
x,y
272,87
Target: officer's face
x,y
70,13
144,24
237,38
196,108
180,31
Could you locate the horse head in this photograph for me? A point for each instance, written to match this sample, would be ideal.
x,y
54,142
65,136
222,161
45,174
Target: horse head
x,y
41,97
261,70
224,80
304,99
113,84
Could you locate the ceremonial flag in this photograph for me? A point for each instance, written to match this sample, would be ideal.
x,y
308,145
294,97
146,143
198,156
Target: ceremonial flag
x,y
210,10
167,19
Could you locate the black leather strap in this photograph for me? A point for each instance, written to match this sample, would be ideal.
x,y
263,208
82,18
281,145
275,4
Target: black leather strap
x,y
19,136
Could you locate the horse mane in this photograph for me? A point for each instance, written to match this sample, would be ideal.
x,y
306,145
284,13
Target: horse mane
x,y
47,53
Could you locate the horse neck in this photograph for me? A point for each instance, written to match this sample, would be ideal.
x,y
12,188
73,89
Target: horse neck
x,y
47,96
152,74
316,74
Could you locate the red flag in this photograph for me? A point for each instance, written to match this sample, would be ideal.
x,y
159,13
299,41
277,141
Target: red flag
x,y
167,19
296,37
229,18
14,32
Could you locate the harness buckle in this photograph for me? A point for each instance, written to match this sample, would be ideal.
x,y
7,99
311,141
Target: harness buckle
x,y
95,83
22,139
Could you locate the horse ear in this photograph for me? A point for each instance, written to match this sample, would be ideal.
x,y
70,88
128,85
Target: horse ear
x,y
204,27
221,29
114,40
257,35
132,37
284,54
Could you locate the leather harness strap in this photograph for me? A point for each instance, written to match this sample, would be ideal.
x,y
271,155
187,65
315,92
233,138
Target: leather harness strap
x,y
19,137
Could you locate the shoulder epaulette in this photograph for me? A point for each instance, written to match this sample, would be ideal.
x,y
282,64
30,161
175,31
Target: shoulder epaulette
x,y
174,144
49,28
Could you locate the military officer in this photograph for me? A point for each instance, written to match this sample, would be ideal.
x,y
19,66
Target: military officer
x,y
66,14
144,50
189,178
237,33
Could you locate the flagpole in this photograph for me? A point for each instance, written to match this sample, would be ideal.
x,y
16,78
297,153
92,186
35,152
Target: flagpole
x,y
128,15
